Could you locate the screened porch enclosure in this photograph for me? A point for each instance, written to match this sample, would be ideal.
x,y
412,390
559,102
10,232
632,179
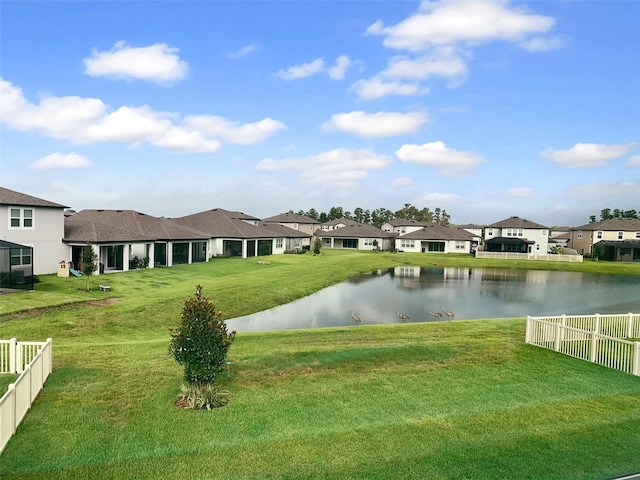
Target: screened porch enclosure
x,y
16,266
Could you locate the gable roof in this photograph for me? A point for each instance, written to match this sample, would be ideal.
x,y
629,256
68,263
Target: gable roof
x,y
434,231
617,224
102,226
282,231
516,222
220,223
11,197
359,230
403,222
291,218
342,220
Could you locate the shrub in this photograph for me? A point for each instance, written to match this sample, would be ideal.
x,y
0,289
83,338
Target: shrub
x,y
316,246
201,342
205,396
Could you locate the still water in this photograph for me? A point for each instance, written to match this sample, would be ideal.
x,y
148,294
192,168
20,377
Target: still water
x,y
470,293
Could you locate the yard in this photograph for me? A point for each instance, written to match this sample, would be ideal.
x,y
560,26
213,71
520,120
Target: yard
x,y
460,400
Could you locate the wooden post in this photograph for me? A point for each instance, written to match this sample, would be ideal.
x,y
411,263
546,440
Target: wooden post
x,y
13,355
630,325
596,323
559,329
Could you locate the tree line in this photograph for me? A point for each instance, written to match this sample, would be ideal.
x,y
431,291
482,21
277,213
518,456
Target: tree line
x,y
608,214
379,216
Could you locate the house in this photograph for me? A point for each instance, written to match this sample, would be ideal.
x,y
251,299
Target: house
x,y
235,234
402,226
434,238
16,267
357,237
618,237
301,223
35,223
476,231
516,235
294,240
338,223
127,239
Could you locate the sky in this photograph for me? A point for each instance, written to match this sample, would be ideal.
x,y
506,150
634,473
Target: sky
x,y
487,109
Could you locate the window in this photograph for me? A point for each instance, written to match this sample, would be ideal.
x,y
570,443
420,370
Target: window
x,y
407,244
350,243
579,234
368,242
599,234
278,242
21,218
460,245
489,232
20,256
620,235
297,243
543,233
637,234
435,247
513,232
295,226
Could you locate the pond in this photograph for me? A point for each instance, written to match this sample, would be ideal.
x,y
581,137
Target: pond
x,y
470,293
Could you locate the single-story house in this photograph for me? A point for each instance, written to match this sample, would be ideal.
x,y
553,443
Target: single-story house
x,y
435,238
357,237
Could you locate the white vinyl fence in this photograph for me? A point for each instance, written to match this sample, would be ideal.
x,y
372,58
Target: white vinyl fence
x,y
549,257
601,339
33,361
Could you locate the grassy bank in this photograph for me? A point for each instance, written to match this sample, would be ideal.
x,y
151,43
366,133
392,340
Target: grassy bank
x,y
429,400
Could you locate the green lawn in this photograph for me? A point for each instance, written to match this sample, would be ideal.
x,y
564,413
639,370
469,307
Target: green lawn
x,y
429,400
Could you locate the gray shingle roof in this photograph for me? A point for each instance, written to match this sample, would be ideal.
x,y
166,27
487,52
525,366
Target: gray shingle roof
x,y
103,226
399,222
11,197
438,232
359,230
516,222
613,224
220,223
291,218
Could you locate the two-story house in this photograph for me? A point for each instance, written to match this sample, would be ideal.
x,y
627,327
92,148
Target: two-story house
x,y
618,237
36,223
516,235
306,226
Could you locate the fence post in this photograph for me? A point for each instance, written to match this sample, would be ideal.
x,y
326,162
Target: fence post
x,y
596,323
559,329
594,347
630,325
527,330
12,355
635,365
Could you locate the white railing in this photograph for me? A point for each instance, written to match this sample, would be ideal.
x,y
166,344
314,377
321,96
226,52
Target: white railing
x,y
33,361
549,257
596,338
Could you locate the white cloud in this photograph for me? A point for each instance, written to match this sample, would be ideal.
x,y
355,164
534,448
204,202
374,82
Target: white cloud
x,y
520,192
587,155
443,62
89,120
450,22
61,160
234,132
373,125
375,88
339,168
452,163
542,44
303,70
244,51
156,63
339,71
633,161
402,182
441,199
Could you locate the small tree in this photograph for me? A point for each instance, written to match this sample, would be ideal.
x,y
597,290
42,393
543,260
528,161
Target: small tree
x,y
316,246
201,342
89,263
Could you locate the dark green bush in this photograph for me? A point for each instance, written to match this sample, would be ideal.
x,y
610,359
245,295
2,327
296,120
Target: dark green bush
x,y
201,342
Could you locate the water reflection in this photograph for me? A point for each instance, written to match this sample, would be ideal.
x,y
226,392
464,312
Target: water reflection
x,y
469,292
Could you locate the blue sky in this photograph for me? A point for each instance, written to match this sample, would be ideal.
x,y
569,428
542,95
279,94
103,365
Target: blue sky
x,y
485,109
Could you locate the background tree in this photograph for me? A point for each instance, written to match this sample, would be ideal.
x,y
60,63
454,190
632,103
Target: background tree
x,y
201,342
89,263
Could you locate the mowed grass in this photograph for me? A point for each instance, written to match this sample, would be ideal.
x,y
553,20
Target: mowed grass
x,y
429,400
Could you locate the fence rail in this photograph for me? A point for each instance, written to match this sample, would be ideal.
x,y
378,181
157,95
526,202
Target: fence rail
x,y
549,257
596,338
33,361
